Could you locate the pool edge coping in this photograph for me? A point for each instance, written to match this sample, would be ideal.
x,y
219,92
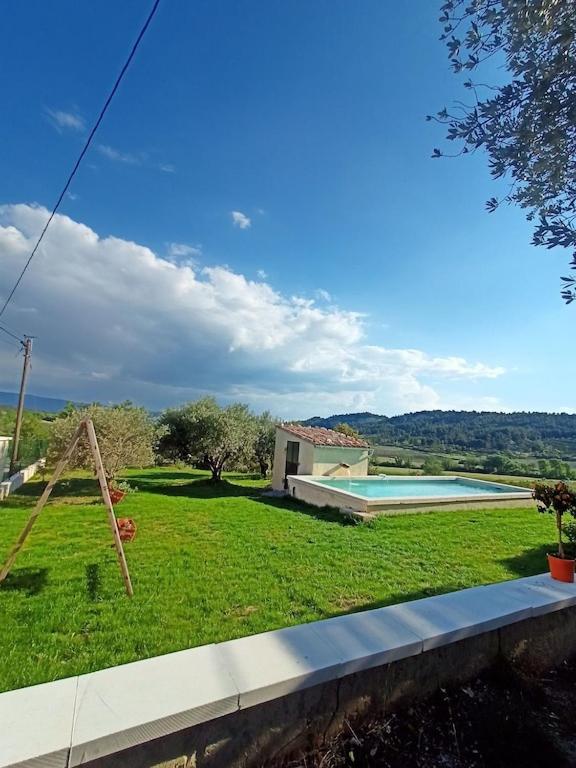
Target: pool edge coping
x,y
519,494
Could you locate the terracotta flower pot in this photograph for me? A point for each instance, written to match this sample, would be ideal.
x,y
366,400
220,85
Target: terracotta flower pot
x,y
561,568
126,528
116,496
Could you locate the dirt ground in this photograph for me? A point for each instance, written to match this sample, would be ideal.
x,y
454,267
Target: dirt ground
x,y
503,718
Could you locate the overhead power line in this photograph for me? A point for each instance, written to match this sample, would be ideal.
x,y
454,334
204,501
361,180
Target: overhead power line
x,y
83,152
13,335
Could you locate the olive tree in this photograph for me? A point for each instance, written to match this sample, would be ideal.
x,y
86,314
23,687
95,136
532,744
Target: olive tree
x,y
526,122
345,429
203,432
126,436
264,442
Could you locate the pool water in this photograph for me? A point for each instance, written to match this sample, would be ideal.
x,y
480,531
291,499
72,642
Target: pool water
x,y
388,487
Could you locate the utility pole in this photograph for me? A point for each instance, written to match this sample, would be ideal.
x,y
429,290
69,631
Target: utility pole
x,y
27,344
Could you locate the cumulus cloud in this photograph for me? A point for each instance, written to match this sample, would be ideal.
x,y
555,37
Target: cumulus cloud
x,y
322,294
240,220
114,320
261,274
61,120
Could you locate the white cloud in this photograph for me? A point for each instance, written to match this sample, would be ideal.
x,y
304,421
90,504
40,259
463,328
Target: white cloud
x,y
183,254
240,220
116,155
129,158
261,274
176,250
62,120
323,295
115,321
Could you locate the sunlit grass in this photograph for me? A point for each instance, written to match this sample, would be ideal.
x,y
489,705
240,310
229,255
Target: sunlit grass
x,y
212,563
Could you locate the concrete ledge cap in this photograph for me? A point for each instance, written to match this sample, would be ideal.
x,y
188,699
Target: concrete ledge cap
x,y
544,593
36,725
274,664
456,615
368,639
127,705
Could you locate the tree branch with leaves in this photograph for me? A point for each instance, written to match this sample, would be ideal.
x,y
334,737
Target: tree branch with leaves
x,y
527,125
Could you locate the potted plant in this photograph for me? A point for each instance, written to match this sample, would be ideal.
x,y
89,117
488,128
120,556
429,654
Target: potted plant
x,y
557,500
126,528
119,490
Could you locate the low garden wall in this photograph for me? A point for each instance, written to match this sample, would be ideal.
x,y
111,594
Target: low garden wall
x,y
19,478
238,703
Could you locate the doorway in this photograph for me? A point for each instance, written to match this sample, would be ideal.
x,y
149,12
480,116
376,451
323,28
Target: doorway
x,y
292,456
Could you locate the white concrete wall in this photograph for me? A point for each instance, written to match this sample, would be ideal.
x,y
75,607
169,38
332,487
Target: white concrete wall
x,y
279,459
19,478
306,457
317,460
328,461
324,496
5,443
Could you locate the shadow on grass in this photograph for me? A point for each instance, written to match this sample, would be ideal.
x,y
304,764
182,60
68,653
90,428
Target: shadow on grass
x,y
325,514
93,581
398,597
240,476
531,561
28,580
153,475
72,486
201,489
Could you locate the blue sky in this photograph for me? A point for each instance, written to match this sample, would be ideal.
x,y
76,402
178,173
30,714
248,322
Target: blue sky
x,y
356,273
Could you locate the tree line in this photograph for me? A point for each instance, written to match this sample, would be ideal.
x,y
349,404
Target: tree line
x,y
538,434
201,434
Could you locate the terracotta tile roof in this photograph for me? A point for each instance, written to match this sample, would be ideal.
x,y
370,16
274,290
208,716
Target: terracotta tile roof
x,y
323,436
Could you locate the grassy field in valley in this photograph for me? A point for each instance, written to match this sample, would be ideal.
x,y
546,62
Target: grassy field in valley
x,y
211,563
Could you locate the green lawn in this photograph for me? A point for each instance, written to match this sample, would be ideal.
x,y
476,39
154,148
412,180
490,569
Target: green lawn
x,y
212,563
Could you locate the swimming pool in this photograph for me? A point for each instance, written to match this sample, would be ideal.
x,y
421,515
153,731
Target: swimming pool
x,y
381,494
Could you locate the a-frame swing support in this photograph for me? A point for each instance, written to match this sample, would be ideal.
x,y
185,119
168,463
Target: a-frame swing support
x,y
86,426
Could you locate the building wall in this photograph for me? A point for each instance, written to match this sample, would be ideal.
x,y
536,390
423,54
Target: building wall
x,y
317,460
328,461
306,457
4,455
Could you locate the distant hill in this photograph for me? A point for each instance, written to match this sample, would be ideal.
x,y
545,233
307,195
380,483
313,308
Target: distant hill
x,y
486,431
34,402
366,423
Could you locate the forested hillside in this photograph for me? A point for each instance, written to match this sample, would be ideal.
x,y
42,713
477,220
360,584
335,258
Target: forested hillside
x,y
531,433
